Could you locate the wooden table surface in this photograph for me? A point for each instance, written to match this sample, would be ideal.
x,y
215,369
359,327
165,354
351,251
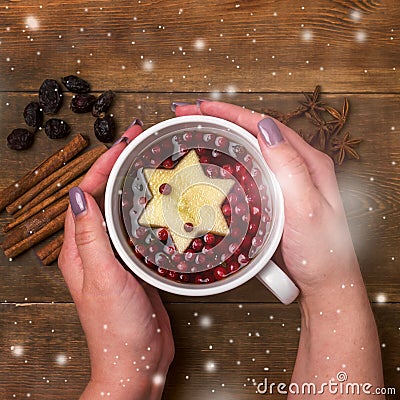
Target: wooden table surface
x,y
260,54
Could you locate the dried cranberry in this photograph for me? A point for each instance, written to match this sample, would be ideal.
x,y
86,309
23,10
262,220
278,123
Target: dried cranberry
x,y
33,114
50,96
168,163
104,129
209,238
103,103
57,128
220,272
188,227
20,139
82,103
75,84
197,244
162,234
165,189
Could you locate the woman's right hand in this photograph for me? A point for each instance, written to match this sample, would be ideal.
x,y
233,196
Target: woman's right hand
x,y
316,245
338,332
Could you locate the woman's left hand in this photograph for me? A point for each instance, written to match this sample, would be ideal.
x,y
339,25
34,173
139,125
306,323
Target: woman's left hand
x,y
126,325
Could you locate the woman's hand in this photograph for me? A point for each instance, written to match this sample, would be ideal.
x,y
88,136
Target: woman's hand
x,y
338,331
126,326
316,245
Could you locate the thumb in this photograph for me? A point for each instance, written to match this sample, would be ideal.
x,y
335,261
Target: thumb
x,y
91,239
288,165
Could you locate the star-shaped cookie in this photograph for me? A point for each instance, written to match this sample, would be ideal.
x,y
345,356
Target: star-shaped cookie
x,y
188,203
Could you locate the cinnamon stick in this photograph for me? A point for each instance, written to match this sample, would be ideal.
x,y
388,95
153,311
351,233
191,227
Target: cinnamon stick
x,y
49,253
52,256
58,178
41,171
23,215
33,224
52,227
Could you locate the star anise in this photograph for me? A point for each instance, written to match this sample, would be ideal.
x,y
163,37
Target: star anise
x,y
323,131
312,102
339,117
344,146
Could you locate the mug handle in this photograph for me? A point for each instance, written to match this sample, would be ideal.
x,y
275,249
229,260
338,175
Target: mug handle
x,y
278,283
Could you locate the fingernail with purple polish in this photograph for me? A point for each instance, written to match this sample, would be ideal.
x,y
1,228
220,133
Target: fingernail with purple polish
x,y
199,101
175,104
136,121
123,139
270,132
77,200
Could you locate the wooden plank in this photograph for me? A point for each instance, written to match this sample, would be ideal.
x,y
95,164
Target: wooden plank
x,y
348,46
44,351
370,188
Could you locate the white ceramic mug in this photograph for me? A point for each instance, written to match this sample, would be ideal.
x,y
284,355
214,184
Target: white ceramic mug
x,y
260,266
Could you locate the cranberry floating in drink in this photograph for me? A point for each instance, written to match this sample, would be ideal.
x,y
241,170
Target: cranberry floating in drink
x,y
193,209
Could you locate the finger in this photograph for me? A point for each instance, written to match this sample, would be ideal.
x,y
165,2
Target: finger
x,y
181,108
288,165
95,180
69,261
93,244
319,165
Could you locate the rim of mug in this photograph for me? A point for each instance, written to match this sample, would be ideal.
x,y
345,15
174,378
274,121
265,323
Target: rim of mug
x,y
151,277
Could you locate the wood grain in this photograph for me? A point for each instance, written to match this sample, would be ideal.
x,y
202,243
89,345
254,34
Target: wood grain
x,y
370,187
165,46
259,342
259,54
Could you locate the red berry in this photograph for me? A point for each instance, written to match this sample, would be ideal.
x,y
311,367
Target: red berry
x,y
142,200
208,249
141,232
226,210
188,227
243,259
221,141
140,251
241,209
240,170
200,259
162,271
197,244
156,150
209,238
233,247
201,279
219,273
247,159
184,278
165,189
252,228
189,255
232,198
204,160
228,168
172,275
162,234
168,163
233,266
182,266
169,250
148,262
257,241
201,150
212,171
187,136
176,257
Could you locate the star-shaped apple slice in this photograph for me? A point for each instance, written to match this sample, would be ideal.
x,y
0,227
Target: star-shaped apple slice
x,y
186,201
